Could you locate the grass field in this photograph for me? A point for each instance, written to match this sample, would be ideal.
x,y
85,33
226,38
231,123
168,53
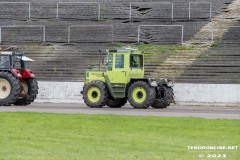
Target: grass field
x,y
37,136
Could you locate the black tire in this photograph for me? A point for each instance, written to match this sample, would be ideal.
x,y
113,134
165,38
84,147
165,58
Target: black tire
x,y
141,95
166,101
169,95
116,103
159,104
31,95
14,86
95,94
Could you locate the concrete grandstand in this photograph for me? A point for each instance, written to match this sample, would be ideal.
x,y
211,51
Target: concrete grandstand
x,y
65,37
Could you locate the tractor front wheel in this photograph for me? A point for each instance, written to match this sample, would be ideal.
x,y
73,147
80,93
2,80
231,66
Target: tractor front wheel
x,y
116,103
9,88
95,94
141,95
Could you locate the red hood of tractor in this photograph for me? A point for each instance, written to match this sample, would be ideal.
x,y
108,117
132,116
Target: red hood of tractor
x,y
26,73
23,73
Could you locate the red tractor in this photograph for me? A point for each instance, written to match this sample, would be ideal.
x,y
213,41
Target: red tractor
x,y
18,85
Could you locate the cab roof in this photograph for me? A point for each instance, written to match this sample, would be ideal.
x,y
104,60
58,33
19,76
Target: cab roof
x,y
17,54
125,50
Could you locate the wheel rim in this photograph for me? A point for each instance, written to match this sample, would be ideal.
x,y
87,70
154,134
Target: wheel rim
x,y
24,88
139,94
94,94
5,88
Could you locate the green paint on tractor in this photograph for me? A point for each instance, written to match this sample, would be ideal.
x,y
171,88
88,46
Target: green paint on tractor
x,y
124,80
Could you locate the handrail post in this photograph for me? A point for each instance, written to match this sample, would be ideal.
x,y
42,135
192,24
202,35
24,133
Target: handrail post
x,y
210,10
0,34
99,11
189,11
138,34
130,11
182,34
112,33
29,10
57,10
44,35
69,30
212,35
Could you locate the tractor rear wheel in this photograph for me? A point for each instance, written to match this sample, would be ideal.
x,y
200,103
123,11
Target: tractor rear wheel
x,y
169,95
116,103
166,100
9,88
30,90
95,94
141,95
159,104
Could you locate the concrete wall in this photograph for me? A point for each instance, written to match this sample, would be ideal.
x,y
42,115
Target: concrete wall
x,y
209,94
187,94
59,92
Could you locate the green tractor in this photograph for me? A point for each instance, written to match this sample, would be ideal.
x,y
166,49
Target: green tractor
x,y
124,81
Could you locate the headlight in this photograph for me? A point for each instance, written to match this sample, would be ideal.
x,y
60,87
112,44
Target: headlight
x,y
170,84
153,83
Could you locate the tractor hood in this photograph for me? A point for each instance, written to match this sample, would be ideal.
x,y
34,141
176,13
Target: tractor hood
x,y
94,75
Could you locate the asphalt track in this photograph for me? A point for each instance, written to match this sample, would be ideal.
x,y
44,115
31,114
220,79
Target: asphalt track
x,y
209,112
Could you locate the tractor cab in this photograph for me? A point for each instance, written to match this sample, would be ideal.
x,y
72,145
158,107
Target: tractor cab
x,y
123,65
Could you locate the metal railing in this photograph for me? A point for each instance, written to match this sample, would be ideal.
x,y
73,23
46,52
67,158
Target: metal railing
x,y
130,7
210,8
182,29
29,6
213,30
17,26
69,30
211,34
98,4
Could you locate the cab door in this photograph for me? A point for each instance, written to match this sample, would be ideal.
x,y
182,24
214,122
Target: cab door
x,y
116,75
119,69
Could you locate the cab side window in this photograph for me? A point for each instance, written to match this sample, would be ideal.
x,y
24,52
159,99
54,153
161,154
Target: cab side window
x,y
110,62
119,61
4,62
16,63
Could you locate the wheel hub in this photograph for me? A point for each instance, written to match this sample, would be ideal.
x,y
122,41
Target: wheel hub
x,y
4,88
94,94
139,94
